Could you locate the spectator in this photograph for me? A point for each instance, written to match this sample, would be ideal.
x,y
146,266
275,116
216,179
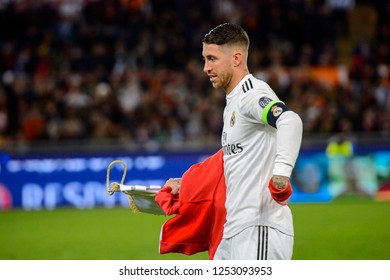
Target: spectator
x,y
58,57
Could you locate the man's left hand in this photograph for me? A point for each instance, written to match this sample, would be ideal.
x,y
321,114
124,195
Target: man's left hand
x,y
280,189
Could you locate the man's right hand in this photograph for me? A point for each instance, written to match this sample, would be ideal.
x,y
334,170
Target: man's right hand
x,y
174,183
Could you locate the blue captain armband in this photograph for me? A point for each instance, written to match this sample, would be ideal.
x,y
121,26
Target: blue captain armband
x,y
272,111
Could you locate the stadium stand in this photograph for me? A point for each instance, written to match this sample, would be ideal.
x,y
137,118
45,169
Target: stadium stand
x,y
130,72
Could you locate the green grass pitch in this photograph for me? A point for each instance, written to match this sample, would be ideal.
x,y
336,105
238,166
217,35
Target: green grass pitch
x,y
346,229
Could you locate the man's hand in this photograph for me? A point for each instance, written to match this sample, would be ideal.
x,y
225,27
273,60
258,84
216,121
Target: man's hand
x,y
174,183
280,181
280,189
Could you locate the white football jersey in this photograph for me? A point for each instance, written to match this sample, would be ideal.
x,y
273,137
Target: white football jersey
x,y
251,157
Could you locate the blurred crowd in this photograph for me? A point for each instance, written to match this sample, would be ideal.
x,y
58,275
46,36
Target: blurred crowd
x,y
132,70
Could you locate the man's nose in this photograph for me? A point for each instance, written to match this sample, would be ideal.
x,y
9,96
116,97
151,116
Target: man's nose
x,y
206,68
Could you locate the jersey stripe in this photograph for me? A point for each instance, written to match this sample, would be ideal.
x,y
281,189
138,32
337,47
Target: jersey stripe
x,y
262,245
247,85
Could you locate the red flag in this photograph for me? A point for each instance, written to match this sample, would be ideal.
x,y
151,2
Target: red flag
x,y
200,210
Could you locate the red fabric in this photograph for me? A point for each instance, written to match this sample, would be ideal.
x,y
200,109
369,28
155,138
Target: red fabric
x,y
168,202
280,195
198,225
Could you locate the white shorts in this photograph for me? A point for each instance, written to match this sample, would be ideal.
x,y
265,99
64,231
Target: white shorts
x,y
256,243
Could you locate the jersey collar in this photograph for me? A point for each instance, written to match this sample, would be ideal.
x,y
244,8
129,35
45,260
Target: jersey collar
x,y
238,87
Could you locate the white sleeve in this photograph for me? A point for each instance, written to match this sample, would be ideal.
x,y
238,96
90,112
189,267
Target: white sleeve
x,y
250,104
288,142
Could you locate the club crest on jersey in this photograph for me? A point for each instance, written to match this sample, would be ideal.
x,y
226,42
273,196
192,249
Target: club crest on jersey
x,y
276,110
264,101
233,119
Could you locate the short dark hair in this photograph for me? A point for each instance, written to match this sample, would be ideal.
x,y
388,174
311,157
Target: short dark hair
x,y
227,33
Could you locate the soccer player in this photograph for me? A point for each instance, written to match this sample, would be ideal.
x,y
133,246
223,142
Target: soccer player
x,y
261,139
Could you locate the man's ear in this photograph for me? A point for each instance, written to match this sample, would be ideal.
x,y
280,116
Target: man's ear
x,y
237,59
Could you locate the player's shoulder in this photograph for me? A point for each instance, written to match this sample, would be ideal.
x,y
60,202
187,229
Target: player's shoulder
x,y
251,84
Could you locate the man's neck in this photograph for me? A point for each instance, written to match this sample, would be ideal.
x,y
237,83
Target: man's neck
x,y
236,80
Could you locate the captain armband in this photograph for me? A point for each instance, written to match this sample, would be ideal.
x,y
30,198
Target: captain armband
x,y
273,109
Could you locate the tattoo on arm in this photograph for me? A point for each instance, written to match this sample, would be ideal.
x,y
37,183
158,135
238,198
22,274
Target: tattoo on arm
x,y
280,181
